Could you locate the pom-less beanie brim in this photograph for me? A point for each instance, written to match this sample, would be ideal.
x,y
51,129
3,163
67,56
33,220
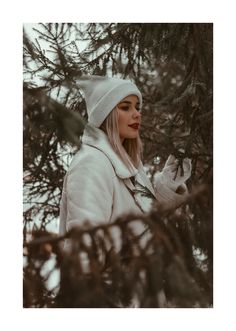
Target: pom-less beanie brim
x,y
102,94
107,103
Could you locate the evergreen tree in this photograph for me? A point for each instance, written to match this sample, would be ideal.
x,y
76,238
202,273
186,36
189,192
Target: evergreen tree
x,y
172,66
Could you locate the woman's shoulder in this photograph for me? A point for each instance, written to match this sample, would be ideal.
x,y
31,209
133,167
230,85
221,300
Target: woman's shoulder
x,y
92,157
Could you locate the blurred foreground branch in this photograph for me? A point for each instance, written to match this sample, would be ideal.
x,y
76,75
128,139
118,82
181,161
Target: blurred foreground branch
x,y
113,266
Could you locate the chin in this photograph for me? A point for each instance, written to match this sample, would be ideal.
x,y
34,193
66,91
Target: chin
x,y
131,136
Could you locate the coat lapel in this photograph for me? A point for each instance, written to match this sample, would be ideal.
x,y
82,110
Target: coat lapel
x,y
98,139
142,179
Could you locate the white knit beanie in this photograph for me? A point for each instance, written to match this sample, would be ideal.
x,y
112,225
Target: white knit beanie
x,y
102,94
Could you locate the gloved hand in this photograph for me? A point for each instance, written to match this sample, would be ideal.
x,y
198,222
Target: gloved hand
x,y
170,178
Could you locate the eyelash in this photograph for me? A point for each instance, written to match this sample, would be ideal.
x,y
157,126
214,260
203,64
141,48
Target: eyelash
x,y
126,108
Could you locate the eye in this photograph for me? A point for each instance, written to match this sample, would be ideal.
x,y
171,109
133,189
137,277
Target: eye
x,y
126,108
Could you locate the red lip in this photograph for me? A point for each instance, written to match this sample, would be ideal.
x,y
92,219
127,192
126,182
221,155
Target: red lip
x,y
135,126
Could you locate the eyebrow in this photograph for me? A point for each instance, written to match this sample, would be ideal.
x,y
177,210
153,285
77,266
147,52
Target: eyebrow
x,y
129,102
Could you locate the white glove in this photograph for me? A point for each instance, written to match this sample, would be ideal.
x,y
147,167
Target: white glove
x,y
169,176
168,181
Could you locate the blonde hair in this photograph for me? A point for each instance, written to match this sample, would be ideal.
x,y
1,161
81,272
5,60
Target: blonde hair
x,y
131,150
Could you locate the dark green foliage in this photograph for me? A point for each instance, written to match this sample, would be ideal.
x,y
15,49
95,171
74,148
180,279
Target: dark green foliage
x,y
172,65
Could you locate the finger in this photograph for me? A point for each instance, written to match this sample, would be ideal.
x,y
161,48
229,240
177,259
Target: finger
x,y
171,168
187,164
187,160
171,159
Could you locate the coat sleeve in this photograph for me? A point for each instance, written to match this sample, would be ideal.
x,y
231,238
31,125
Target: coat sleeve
x,y
89,191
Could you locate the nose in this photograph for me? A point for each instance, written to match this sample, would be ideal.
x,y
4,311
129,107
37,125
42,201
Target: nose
x,y
136,113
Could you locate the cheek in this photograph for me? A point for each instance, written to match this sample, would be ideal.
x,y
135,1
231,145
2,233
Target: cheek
x,y
122,119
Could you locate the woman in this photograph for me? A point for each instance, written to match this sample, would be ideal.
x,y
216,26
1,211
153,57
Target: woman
x,y
106,174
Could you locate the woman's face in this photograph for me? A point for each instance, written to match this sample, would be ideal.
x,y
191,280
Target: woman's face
x,y
129,117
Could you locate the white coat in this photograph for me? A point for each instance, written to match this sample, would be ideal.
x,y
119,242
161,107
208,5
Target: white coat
x,y
98,187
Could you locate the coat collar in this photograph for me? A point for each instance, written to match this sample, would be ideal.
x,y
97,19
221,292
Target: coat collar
x,y
97,138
